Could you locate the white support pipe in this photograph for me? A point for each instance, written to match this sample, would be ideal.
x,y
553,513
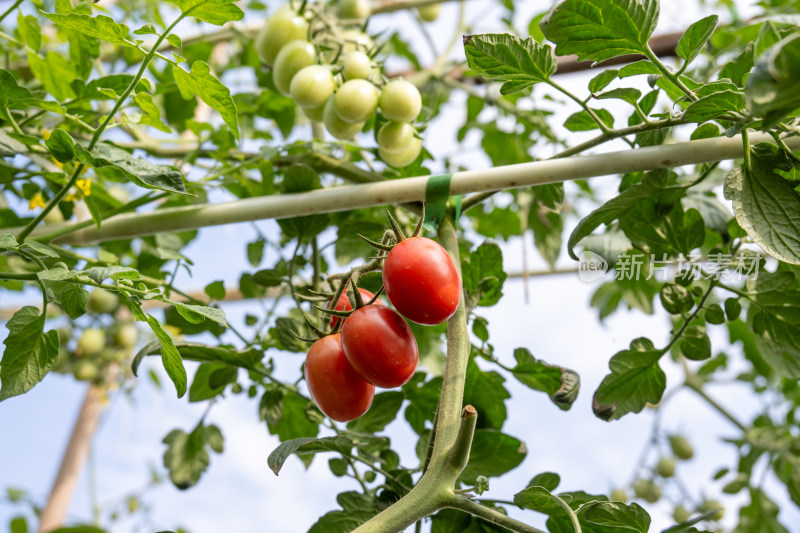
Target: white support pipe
x,y
399,191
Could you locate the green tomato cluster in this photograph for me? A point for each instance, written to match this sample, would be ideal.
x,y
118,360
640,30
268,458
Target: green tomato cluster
x,y
335,81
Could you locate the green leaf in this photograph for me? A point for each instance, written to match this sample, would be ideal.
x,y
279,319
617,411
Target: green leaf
x,y
635,379
8,241
29,31
55,73
766,206
9,146
520,63
383,410
215,290
582,121
694,38
201,388
29,354
492,454
255,251
73,300
706,131
216,12
60,145
695,344
270,407
423,401
483,274
302,178
601,81
639,68
771,90
626,94
200,82
776,320
547,480
561,384
538,498
152,114
652,184
357,508
485,391
676,299
294,421
98,89
100,27
714,105
170,356
187,457
761,514
40,248
615,517
98,274
139,171
306,445
212,313
601,29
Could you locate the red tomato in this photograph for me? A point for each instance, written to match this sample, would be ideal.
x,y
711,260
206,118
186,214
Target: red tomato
x,y
335,386
380,346
344,303
421,281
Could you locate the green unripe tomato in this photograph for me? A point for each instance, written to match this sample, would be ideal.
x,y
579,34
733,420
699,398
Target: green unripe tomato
x,y
681,447
85,370
710,505
369,476
336,126
125,336
355,40
54,216
619,495
429,13
354,9
357,66
666,467
102,301
400,100
394,137
236,388
356,101
681,514
312,86
314,113
92,341
279,30
648,490
404,158
292,58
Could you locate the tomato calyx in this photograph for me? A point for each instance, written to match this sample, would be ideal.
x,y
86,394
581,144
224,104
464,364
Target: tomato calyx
x,y
357,301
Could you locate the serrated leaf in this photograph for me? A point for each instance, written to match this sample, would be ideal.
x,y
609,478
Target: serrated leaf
x,y
306,445
766,206
215,290
483,274
29,31
695,344
139,171
98,274
626,94
73,300
201,83
100,27
212,313
216,12
601,29
695,37
201,388
55,73
520,63
8,241
485,391
186,457
714,105
639,68
615,517
29,355
778,316
771,90
41,249
635,379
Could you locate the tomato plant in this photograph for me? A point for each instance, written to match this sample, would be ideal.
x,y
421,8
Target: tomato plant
x,y
630,228
380,346
338,390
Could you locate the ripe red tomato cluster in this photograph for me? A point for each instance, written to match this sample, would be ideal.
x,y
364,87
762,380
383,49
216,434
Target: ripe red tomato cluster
x,y
376,347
